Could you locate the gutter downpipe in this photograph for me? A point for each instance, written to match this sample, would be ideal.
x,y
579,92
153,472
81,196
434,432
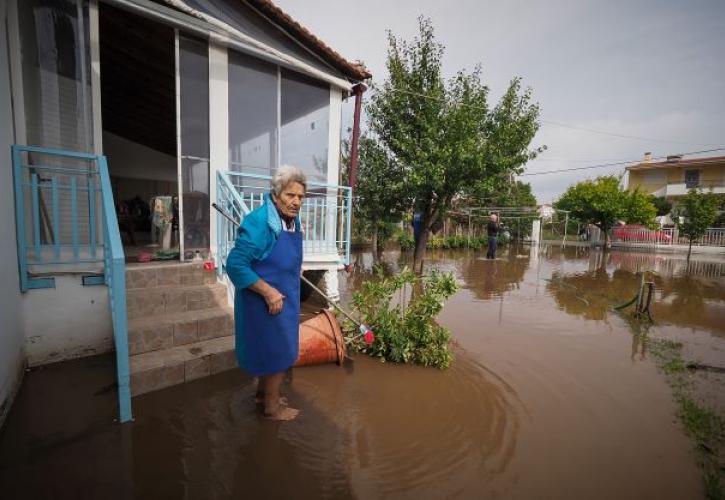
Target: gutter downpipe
x,y
358,92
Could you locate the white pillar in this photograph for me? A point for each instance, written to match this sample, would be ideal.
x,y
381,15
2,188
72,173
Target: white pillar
x,y
333,167
95,50
535,231
218,127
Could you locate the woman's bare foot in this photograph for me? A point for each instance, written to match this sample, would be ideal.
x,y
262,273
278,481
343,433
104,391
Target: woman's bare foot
x,y
282,413
259,399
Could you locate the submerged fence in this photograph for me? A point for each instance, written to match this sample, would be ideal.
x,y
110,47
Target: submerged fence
x,y
666,237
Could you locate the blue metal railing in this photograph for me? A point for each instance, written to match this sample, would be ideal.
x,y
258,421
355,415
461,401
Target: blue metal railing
x,y
81,199
325,214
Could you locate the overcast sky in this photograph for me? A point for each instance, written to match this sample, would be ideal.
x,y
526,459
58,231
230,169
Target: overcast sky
x,y
653,69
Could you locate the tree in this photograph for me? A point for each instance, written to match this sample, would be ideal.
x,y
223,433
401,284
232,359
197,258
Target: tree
x,y
603,202
699,209
662,204
443,134
381,197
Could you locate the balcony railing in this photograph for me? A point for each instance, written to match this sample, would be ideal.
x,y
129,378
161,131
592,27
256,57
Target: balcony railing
x,y
66,221
325,215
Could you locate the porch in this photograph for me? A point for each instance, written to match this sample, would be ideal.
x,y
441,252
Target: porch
x,y
169,323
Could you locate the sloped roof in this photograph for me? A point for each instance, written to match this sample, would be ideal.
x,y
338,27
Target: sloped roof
x,y
692,162
352,70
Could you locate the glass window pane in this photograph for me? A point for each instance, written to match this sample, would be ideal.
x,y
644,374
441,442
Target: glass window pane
x,y
56,73
305,127
194,116
252,114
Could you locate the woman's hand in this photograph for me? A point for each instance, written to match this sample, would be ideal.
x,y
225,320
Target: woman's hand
x,y
274,300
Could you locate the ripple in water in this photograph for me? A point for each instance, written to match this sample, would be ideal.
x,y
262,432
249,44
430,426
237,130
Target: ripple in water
x,y
404,431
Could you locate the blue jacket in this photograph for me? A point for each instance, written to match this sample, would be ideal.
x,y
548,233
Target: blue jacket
x,y
256,239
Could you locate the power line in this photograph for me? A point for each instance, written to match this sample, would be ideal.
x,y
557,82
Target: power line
x,y
622,136
614,164
559,124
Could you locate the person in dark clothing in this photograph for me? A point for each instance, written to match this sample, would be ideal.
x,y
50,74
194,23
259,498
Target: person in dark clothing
x,y
417,226
492,229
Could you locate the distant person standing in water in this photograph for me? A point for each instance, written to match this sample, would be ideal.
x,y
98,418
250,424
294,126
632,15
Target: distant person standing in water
x,y
492,229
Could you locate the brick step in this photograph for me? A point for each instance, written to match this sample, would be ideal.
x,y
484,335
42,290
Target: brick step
x,y
156,370
153,333
144,302
166,274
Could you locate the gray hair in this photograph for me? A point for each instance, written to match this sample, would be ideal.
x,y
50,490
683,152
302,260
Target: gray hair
x,y
285,175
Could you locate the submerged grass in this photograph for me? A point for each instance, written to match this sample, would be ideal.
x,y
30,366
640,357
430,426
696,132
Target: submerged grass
x,y
703,424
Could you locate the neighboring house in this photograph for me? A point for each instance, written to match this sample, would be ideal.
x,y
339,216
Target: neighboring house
x,y
142,113
673,177
546,211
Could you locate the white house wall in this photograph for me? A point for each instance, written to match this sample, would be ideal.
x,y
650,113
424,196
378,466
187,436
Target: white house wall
x,y
66,322
12,356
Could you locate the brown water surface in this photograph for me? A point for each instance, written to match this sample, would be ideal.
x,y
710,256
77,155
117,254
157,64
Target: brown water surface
x,y
551,395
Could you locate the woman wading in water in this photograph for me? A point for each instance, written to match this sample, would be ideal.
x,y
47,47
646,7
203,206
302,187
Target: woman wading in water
x,y
264,267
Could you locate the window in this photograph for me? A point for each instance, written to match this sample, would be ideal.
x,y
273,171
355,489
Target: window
x,y
194,117
56,73
305,124
692,179
252,115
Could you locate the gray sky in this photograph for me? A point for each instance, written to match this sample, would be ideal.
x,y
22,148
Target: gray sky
x,y
645,68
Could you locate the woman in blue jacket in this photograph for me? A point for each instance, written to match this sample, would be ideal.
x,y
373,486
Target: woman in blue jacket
x,y
264,267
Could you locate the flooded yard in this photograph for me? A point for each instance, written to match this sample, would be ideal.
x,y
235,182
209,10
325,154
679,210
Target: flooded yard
x,y
550,395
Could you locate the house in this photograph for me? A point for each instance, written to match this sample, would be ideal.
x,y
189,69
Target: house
x,y
673,177
123,120
546,211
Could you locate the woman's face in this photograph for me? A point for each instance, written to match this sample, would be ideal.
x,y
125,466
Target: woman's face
x,y
290,199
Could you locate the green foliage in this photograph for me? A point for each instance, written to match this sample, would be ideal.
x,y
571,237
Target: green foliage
x,y
699,210
441,242
406,332
603,202
505,193
662,204
406,241
380,198
444,134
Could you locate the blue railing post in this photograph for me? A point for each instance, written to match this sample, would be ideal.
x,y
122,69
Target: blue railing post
x,y
20,220
117,291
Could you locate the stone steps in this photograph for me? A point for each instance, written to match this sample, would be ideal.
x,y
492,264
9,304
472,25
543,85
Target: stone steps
x,y
180,325
156,370
153,333
155,301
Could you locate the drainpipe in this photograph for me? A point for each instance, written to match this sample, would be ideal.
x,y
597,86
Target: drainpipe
x,y
357,90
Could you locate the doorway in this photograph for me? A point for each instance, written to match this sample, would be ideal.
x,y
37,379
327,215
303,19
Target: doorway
x,y
138,108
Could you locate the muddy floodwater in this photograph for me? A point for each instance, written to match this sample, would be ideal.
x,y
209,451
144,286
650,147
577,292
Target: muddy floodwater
x,y
551,396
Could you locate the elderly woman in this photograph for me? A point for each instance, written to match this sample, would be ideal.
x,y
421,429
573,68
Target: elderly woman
x,y
264,266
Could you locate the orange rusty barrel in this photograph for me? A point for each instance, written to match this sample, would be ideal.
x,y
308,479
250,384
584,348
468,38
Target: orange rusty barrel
x,y
321,341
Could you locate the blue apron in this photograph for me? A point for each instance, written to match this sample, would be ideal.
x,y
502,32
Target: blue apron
x,y
268,344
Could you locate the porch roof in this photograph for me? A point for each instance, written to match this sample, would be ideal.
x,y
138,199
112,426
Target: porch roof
x,y
353,70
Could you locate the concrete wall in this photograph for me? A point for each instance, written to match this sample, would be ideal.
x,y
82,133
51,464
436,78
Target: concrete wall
x,y
12,356
69,321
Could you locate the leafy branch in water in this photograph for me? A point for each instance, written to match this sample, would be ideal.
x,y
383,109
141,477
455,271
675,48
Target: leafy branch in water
x,y
402,310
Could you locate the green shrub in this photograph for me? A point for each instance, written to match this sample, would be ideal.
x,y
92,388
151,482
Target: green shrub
x,y
406,241
436,242
405,333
